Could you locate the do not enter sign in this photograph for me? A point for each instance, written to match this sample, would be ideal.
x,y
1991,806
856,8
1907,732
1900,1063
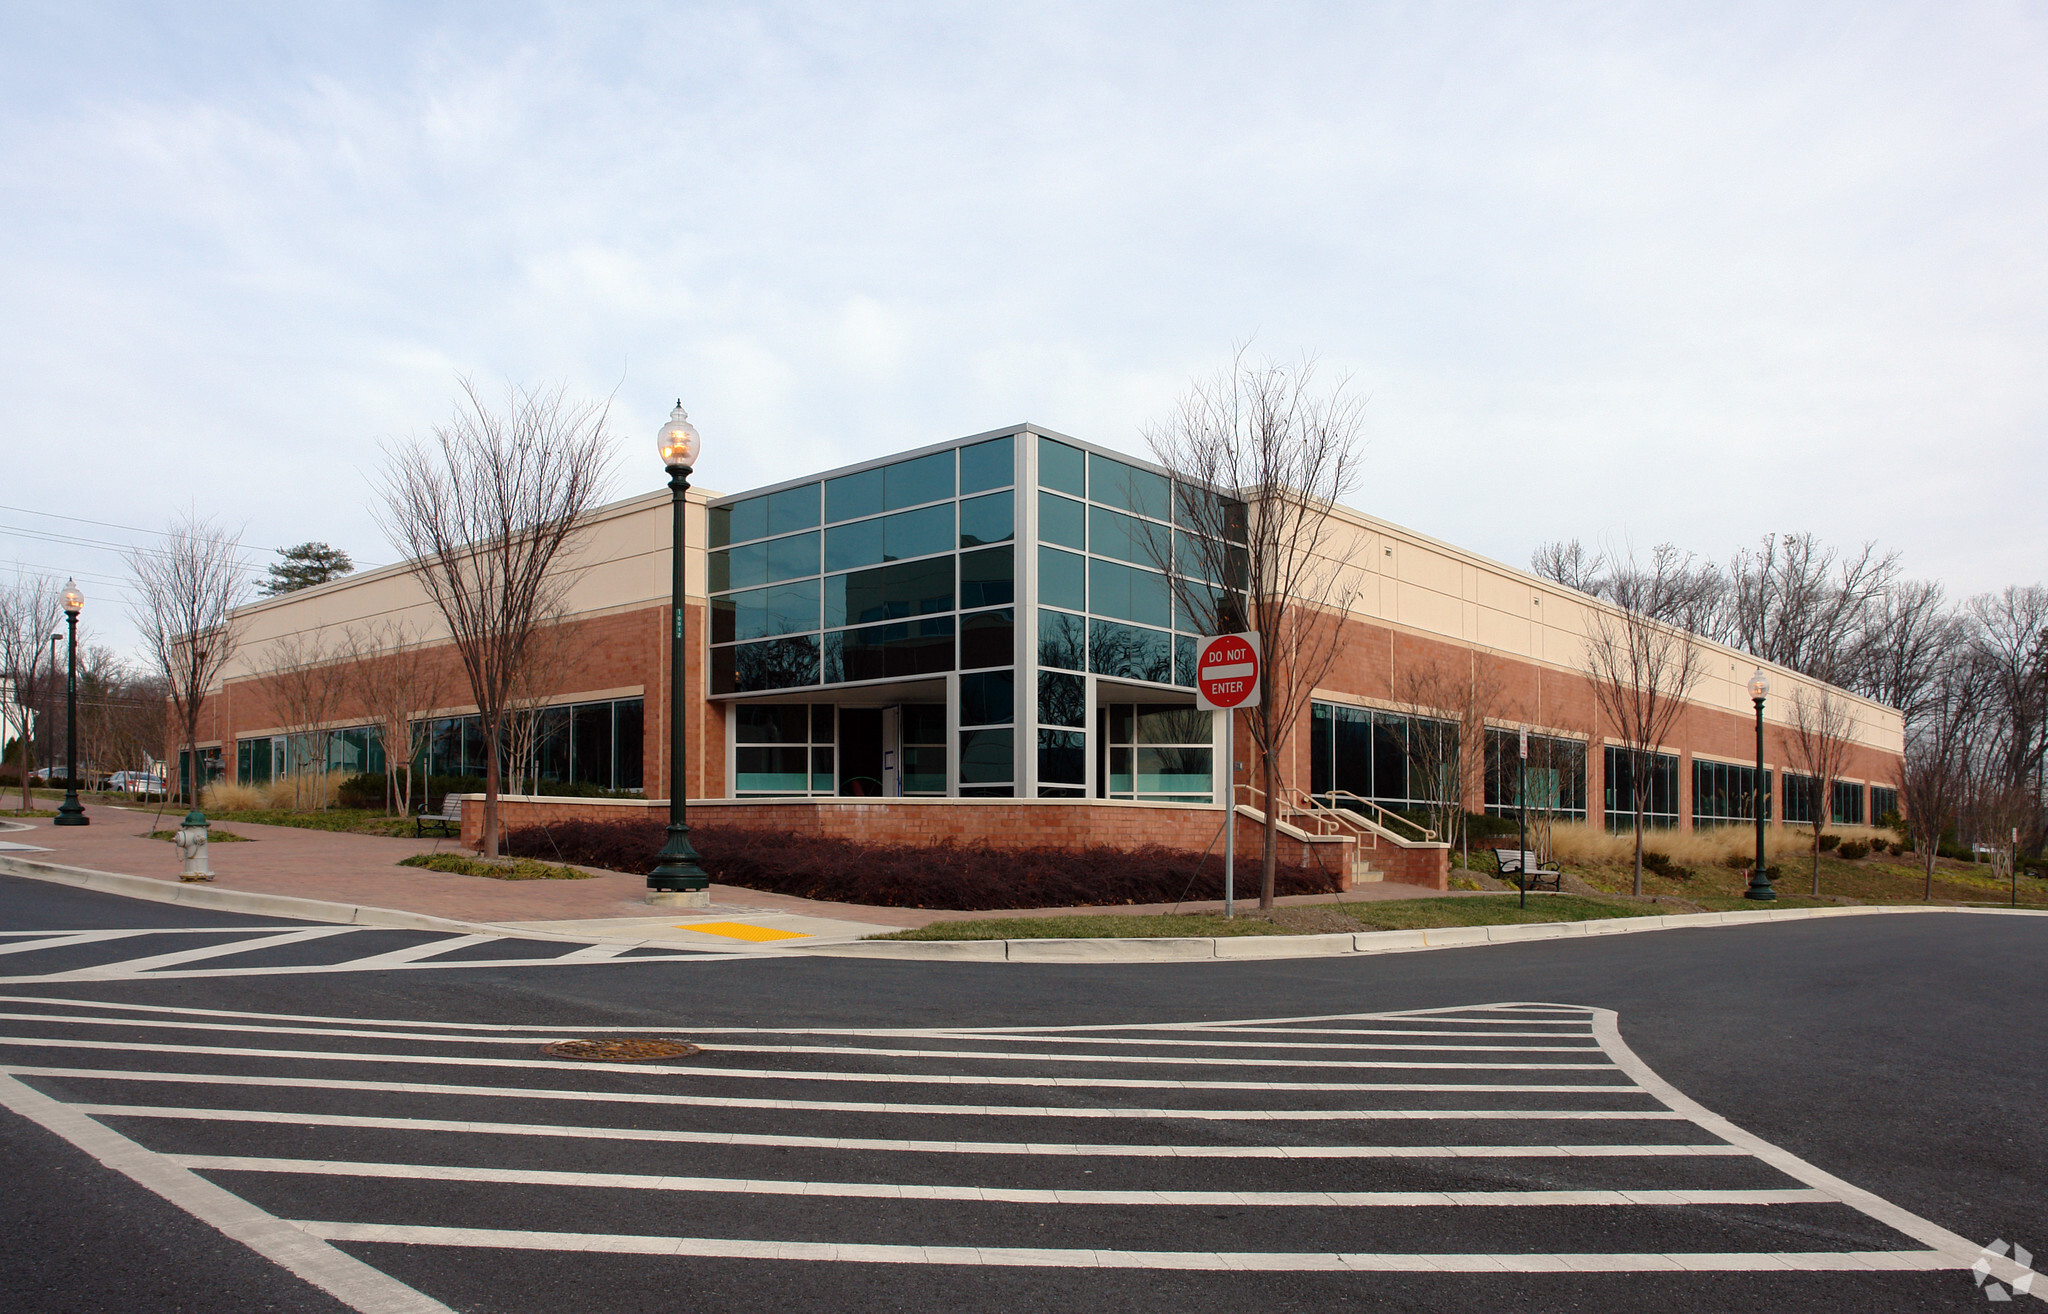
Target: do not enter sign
x,y
1227,673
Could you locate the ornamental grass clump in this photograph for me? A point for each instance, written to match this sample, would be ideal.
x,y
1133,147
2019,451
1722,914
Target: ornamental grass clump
x,y
968,877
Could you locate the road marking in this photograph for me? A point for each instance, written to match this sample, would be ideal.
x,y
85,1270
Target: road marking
x,y
64,940
995,1194
1030,1148
1853,1261
693,1100
1167,1060
413,954
742,931
869,1078
147,966
346,1278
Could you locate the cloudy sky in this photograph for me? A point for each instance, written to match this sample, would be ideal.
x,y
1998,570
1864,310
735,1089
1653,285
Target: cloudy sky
x,y
1627,273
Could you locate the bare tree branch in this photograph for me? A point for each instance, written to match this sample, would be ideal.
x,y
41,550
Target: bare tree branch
x,y
187,589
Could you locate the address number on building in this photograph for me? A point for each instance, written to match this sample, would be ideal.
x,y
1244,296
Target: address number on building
x,y
1227,673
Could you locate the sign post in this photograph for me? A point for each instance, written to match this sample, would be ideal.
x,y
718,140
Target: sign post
x,y
1227,678
1522,802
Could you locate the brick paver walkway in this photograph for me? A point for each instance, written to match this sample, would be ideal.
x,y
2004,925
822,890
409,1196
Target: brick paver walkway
x,y
362,869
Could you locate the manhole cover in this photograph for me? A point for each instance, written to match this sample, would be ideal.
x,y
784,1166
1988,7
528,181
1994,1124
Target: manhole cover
x,y
621,1051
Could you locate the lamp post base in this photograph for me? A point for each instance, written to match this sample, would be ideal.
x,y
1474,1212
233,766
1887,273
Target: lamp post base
x,y
71,812
679,898
1759,888
678,870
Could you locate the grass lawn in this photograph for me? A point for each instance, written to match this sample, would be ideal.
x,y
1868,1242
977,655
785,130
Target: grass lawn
x,y
1296,919
1888,878
355,821
499,869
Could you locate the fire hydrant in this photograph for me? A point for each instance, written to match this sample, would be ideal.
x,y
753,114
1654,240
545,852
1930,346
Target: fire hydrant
x,y
190,841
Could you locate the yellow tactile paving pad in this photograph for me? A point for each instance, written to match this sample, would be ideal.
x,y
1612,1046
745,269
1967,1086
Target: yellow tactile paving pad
x,y
742,931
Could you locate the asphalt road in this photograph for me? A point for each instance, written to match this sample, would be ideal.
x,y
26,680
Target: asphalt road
x,y
1080,1137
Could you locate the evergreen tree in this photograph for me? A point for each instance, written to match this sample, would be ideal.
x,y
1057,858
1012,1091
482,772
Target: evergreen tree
x,y
303,567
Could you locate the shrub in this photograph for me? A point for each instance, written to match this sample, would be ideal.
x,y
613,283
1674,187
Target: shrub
x,y
362,790
1852,850
225,796
955,876
1662,864
1828,842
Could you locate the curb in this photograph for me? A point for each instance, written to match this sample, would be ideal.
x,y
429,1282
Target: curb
x,y
1268,947
198,895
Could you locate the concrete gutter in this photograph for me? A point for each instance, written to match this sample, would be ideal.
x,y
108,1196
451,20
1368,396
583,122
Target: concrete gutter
x,y
1331,946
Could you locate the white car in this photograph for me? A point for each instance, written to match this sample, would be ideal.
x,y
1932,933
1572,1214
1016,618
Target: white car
x,y
136,782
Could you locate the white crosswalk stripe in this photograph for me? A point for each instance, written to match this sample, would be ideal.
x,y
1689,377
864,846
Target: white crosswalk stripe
x,y
164,955
1513,1120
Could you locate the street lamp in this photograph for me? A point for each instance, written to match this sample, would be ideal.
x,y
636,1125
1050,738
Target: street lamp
x,y
1759,875
678,879
71,813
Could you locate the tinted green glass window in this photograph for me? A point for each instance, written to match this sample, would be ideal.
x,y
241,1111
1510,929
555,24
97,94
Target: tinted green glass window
x,y
1173,770
1062,699
913,483
1184,661
890,538
990,519
740,522
850,497
986,756
763,613
1062,467
987,698
775,664
924,723
1062,640
1172,725
878,652
987,638
1062,579
987,577
770,770
987,465
915,588
1127,486
1114,534
1062,757
1062,520
718,520
793,509
1130,653
1128,594
779,724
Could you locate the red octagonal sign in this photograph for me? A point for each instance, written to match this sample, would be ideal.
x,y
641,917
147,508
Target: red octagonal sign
x,y
1227,673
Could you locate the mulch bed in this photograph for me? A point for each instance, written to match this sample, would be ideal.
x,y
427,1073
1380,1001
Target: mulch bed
x,y
968,877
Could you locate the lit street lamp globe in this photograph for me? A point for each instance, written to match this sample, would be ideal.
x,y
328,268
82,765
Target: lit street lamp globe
x,y
678,440
74,601
1759,685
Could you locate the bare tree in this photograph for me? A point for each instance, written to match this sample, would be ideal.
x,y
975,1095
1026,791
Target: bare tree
x,y
1911,631
530,728
484,514
1642,670
120,712
1570,563
30,611
1822,733
2005,640
398,679
1806,606
1260,458
1449,700
306,684
187,589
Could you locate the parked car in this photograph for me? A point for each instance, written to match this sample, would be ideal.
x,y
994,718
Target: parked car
x,y
136,782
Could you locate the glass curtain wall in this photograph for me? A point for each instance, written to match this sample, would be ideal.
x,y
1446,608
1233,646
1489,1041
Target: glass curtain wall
x,y
1848,809
1556,774
783,749
1659,792
1159,754
1884,804
1802,797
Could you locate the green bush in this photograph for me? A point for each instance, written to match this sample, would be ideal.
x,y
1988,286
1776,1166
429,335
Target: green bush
x,y
362,790
1828,842
1662,864
1852,850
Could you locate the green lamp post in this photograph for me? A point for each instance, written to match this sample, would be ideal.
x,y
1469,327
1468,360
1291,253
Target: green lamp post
x,y
71,812
1759,875
678,877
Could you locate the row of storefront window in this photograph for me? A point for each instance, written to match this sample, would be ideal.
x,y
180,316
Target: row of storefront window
x,y
593,743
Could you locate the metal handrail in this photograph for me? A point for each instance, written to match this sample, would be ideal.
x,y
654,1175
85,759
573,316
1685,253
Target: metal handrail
x,y
1329,820
1388,820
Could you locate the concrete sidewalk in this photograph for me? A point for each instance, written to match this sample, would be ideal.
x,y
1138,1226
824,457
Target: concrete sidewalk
x,y
361,870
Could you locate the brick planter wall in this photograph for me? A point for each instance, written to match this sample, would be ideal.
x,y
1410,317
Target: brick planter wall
x,y
1000,823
